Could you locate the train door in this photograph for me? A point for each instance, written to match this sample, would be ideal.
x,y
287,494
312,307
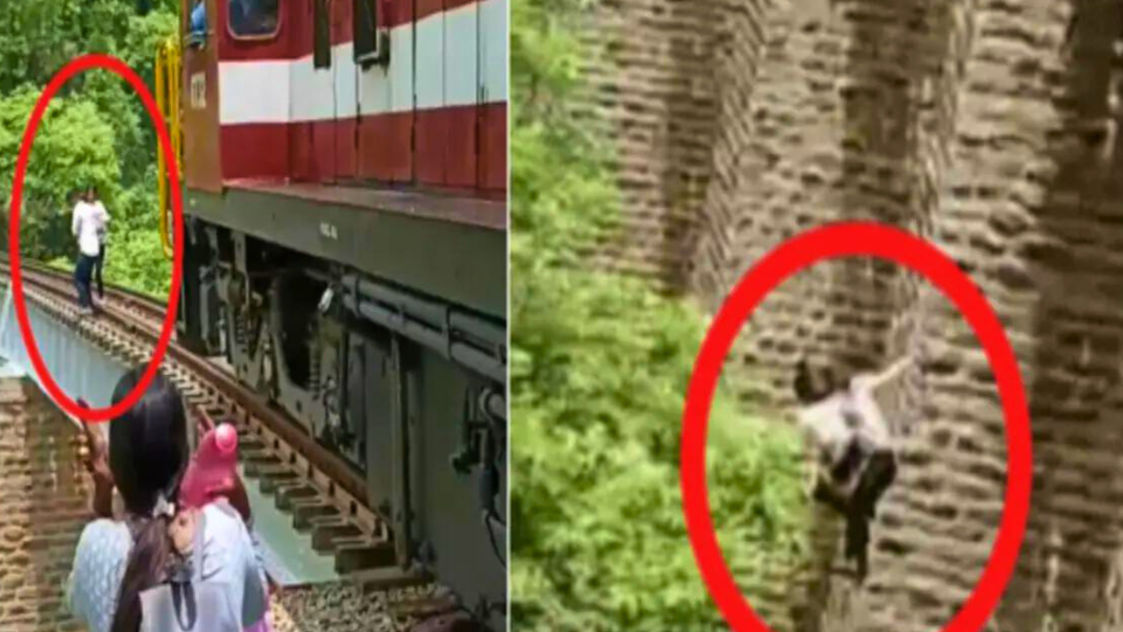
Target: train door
x,y
384,54
431,127
314,102
345,88
447,72
461,91
202,165
492,161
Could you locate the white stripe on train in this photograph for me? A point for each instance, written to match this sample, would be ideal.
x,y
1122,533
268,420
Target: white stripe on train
x,y
451,46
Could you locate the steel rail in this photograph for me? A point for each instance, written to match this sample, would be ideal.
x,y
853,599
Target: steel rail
x,y
321,491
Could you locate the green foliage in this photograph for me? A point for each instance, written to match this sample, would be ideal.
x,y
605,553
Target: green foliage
x,y
38,37
134,256
545,56
599,368
136,135
96,130
562,191
73,147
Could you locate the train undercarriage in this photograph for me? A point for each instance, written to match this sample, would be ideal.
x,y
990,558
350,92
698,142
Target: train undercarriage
x,y
388,351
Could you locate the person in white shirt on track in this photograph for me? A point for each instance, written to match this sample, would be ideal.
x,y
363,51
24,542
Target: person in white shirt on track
x,y
84,226
102,235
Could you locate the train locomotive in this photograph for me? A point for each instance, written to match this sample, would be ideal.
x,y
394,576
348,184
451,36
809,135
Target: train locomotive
x,y
344,170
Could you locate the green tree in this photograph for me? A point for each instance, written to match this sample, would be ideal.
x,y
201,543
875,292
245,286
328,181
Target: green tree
x,y
136,258
561,193
72,149
599,368
37,38
96,131
136,134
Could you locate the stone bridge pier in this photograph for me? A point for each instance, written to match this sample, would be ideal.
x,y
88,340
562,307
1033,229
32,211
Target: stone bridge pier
x,y
44,501
988,127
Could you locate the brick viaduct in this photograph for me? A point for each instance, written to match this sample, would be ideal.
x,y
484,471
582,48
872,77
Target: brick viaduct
x,y
987,126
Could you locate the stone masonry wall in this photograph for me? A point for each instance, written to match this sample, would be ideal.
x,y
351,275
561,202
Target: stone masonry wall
x,y
43,505
987,126
652,88
1063,231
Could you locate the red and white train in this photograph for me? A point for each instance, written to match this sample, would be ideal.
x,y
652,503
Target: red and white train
x,y
421,99
345,211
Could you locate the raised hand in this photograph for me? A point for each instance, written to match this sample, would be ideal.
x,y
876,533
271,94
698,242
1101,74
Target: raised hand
x,y
96,463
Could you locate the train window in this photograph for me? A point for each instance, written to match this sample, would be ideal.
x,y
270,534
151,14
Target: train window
x,y
198,22
321,36
366,31
197,25
254,19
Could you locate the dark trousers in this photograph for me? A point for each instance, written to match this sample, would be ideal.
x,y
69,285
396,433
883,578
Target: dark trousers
x,y
99,263
82,273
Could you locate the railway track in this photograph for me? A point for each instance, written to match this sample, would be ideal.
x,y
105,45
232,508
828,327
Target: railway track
x,y
323,495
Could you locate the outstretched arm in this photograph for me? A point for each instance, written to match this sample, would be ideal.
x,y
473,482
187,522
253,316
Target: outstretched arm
x,y
876,381
893,371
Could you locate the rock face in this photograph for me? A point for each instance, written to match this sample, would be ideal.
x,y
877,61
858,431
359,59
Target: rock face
x,y
989,128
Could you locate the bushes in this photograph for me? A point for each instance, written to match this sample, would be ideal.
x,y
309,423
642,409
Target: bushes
x,y
95,131
73,147
599,369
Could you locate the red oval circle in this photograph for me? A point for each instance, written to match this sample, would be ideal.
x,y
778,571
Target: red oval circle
x,y
840,240
121,69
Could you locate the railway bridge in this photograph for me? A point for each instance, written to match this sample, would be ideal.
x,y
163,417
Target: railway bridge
x,y
329,559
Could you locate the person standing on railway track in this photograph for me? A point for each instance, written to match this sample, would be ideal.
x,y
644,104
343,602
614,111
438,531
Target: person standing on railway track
x,y
84,226
144,570
102,217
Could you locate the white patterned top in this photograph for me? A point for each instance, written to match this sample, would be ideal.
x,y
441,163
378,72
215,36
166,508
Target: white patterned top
x,y
103,552
99,567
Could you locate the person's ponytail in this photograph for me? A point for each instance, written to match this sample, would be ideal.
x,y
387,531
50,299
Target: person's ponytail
x,y
145,568
147,454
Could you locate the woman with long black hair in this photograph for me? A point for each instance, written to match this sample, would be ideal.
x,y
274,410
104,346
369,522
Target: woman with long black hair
x,y
153,566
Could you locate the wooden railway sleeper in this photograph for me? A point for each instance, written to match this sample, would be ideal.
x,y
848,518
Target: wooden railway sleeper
x,y
325,536
251,457
270,482
275,473
248,441
287,494
385,578
356,557
254,467
303,510
426,606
